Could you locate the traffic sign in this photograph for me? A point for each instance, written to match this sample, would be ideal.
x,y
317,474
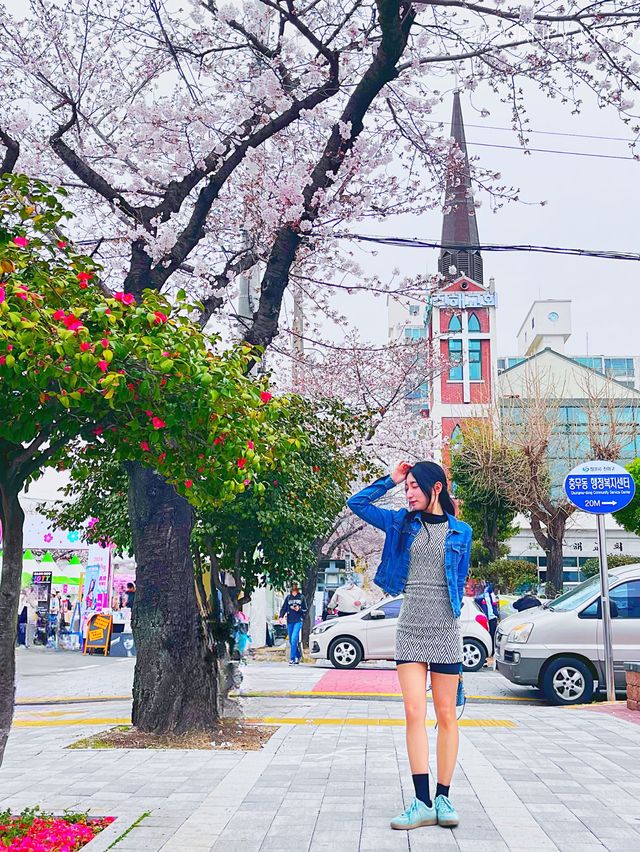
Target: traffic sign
x,y
599,487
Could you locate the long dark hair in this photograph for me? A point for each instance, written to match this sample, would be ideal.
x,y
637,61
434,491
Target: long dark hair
x,y
426,474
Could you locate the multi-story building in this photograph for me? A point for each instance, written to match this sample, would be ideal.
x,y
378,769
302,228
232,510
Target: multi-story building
x,y
458,316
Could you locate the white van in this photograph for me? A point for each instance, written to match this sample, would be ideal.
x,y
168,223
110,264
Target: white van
x,y
559,647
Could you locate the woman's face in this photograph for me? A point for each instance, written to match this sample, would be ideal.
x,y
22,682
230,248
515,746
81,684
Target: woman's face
x,y
417,499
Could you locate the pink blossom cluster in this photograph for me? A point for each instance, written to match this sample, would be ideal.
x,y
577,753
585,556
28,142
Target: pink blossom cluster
x,y
53,834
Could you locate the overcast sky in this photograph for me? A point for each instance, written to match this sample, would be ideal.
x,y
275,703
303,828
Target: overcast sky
x,y
591,203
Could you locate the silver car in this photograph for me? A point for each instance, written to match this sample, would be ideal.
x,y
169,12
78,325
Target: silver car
x,y
371,635
559,647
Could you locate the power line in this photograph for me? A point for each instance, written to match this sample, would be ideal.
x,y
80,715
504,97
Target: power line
x,y
550,151
540,132
403,242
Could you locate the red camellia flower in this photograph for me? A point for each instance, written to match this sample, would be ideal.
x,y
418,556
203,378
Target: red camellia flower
x,y
241,463
22,293
62,244
162,457
144,446
10,347
84,276
157,423
265,396
250,445
98,430
159,317
104,343
188,483
73,323
59,315
85,347
83,285
103,365
3,360
125,298
247,482
23,242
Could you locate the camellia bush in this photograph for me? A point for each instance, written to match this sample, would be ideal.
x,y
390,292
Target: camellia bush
x,y
84,371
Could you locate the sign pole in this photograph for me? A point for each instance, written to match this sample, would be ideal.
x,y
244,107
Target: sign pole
x,y
606,610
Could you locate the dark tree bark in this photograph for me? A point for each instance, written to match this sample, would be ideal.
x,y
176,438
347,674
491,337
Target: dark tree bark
x,y
176,674
550,540
12,518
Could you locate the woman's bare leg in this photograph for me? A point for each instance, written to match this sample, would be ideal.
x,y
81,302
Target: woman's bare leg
x,y
413,682
443,691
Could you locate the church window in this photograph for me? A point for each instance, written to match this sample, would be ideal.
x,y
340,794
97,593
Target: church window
x,y
475,360
455,360
474,323
454,323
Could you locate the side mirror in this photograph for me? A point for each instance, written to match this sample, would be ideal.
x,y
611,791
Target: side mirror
x,y
377,614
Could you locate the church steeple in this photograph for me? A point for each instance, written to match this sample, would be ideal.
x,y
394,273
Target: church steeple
x,y
459,226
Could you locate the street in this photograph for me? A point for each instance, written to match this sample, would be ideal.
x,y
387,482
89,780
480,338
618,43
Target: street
x,y
529,776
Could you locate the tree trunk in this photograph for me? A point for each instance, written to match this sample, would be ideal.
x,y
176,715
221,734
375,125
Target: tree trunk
x,y
176,674
491,534
555,537
309,586
12,518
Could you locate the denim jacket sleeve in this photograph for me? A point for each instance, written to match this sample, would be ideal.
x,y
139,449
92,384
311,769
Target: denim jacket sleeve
x,y
362,503
463,567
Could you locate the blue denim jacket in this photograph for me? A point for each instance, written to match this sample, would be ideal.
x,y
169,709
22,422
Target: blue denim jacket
x,y
392,573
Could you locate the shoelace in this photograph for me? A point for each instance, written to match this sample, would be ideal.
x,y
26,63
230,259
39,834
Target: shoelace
x,y
445,804
412,811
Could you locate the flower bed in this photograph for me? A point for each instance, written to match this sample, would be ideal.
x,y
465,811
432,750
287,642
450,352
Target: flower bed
x,y
36,831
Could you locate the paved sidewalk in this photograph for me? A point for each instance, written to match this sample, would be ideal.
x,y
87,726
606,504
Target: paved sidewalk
x,y
551,779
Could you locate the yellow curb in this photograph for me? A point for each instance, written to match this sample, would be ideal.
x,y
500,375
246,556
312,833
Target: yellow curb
x,y
396,723
68,699
306,694
594,705
271,720
60,723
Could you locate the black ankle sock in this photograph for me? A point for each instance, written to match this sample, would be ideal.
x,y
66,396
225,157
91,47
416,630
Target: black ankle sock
x,y
441,790
421,786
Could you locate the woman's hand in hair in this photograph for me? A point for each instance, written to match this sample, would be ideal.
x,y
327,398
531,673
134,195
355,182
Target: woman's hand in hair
x,y
399,473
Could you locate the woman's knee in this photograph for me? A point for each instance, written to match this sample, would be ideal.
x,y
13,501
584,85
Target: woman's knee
x,y
415,713
447,718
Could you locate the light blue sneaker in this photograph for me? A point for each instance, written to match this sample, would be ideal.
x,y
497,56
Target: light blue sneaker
x,y
447,814
415,816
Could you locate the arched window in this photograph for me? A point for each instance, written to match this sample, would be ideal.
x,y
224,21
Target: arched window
x,y
456,436
454,323
474,323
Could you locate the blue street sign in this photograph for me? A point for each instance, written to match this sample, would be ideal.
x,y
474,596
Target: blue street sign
x,y
599,487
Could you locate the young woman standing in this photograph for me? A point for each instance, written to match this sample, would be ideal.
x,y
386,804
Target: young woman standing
x,y
426,556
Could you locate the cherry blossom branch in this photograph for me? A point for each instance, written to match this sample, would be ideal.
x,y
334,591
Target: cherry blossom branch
x,y
517,16
395,22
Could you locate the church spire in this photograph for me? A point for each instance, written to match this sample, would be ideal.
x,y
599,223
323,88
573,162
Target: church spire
x,y
459,226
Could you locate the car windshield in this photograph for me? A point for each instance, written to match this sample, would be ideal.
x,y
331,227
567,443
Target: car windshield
x,y
581,594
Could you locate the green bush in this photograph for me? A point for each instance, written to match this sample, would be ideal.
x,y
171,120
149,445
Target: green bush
x,y
508,575
592,566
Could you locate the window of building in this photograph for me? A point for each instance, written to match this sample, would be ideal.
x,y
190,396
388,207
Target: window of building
x,y
474,323
456,436
415,333
454,323
502,364
592,363
618,367
413,310
513,361
475,360
455,360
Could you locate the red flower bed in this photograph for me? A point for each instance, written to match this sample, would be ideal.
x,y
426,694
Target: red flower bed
x,y
36,831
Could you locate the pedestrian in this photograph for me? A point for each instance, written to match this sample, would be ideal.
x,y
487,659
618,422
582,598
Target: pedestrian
x,y
130,595
527,601
294,610
347,599
488,602
426,556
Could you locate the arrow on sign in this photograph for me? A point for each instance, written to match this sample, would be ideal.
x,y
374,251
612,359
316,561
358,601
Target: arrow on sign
x,y
607,502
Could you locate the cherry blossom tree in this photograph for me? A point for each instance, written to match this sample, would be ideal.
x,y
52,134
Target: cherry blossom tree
x,y
203,140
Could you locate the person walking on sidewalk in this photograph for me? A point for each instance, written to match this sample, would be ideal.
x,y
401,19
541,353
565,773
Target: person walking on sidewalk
x,y
426,555
294,610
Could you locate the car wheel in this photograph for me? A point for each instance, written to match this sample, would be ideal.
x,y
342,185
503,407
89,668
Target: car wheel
x,y
568,681
474,655
345,653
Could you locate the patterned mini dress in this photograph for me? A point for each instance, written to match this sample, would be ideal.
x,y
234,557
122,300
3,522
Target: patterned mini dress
x,y
428,631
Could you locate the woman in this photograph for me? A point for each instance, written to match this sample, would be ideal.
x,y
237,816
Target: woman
x,y
426,556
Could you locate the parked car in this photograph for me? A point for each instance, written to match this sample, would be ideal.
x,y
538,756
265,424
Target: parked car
x,y
371,635
559,647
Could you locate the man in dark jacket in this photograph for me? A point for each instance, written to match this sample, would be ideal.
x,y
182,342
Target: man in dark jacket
x,y
294,610
527,601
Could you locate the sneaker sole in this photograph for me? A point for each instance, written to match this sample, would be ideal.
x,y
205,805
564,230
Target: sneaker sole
x,y
449,823
420,824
